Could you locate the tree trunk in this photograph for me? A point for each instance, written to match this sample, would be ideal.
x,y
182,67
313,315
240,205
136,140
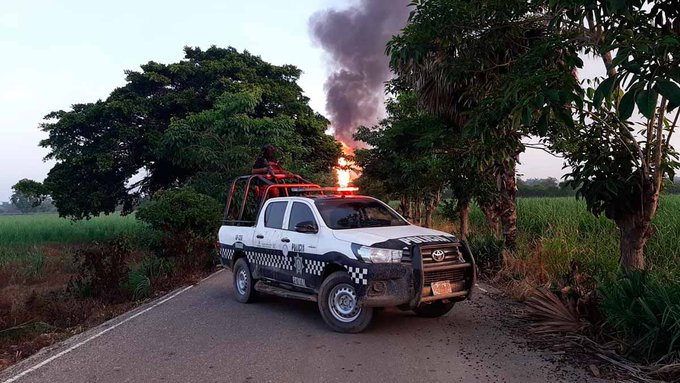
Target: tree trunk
x,y
428,217
417,202
431,203
492,217
464,212
405,207
507,191
635,230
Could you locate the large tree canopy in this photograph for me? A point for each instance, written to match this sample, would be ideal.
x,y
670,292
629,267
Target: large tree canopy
x,y
199,121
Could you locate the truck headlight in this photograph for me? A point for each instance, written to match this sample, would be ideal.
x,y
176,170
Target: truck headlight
x,y
376,255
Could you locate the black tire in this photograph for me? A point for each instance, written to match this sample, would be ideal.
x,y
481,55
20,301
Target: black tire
x,y
244,288
434,309
339,286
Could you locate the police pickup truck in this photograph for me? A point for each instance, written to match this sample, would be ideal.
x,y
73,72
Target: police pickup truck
x,y
349,253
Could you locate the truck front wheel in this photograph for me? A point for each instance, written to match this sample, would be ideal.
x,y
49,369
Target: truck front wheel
x,y
339,305
434,309
244,285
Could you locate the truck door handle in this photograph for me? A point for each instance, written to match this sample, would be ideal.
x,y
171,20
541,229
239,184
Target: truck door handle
x,y
260,236
285,240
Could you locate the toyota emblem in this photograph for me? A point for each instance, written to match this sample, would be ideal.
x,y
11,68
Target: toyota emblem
x,y
438,255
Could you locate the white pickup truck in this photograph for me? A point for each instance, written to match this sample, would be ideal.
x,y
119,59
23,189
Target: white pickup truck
x,y
349,253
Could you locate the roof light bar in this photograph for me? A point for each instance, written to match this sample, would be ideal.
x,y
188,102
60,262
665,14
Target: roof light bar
x,y
347,189
340,190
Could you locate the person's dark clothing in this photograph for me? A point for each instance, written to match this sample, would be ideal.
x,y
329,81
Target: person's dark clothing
x,y
262,162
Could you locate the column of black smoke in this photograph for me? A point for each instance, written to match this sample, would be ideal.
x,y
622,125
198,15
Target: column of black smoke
x,y
355,41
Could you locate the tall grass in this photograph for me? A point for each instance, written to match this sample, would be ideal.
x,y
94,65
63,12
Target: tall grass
x,y
645,311
562,230
38,229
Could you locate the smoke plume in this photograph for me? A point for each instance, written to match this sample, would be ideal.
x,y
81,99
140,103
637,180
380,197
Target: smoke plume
x,y
355,41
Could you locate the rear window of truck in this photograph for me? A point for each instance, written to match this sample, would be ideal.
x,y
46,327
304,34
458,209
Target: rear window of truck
x,y
273,216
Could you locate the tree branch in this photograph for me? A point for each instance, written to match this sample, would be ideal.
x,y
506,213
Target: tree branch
x,y
541,147
659,145
670,133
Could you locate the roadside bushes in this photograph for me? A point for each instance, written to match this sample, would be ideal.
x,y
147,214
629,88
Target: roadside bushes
x,y
101,269
488,251
188,222
182,209
146,275
182,233
644,310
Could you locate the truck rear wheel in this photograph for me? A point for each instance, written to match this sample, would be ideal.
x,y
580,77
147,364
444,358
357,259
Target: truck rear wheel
x,y
434,309
244,285
339,305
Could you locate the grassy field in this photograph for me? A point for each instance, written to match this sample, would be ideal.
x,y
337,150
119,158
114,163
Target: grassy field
x,y
29,239
556,231
34,229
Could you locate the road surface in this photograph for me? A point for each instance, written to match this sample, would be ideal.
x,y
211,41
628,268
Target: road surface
x,y
201,334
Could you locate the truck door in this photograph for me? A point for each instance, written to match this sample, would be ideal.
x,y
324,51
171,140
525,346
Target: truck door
x,y
300,239
265,255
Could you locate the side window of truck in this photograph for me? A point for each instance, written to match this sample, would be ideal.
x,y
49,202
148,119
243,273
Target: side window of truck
x,y
300,213
273,216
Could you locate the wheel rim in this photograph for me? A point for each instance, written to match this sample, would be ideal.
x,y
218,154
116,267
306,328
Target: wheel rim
x,y
242,281
343,303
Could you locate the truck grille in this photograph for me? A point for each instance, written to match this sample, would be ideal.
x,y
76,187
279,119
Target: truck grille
x,y
452,267
444,275
452,256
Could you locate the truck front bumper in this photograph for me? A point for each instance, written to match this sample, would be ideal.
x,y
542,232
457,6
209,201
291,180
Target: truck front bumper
x,y
389,285
408,285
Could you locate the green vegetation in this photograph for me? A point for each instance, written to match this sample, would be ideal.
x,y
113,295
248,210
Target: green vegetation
x,y
41,229
198,122
180,210
498,72
546,187
562,230
645,311
560,245
185,222
507,70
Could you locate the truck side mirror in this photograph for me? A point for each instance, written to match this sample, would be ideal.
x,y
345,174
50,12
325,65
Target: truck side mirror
x,y
306,227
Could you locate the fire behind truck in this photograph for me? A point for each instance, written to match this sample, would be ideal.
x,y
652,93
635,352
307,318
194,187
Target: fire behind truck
x,y
349,253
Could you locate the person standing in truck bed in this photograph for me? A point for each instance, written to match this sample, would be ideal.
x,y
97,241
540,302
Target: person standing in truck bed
x,y
267,164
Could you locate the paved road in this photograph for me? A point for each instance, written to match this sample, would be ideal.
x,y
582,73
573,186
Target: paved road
x,y
204,335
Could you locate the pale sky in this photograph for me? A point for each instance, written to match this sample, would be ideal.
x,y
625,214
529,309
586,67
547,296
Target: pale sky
x,y
57,53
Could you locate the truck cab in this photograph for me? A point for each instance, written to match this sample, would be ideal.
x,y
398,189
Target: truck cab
x,y
349,253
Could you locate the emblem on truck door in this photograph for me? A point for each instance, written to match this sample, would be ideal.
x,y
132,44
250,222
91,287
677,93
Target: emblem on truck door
x,y
438,255
298,264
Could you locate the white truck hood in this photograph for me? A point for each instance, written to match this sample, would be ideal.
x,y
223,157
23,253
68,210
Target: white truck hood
x,y
393,236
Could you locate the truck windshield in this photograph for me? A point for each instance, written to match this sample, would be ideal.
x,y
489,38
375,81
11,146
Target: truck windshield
x,y
353,213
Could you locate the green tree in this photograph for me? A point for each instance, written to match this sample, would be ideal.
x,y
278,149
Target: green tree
x,y
28,196
619,161
196,122
488,68
405,157
22,202
413,155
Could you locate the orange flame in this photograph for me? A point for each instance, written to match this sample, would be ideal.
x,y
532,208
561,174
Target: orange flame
x,y
343,170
